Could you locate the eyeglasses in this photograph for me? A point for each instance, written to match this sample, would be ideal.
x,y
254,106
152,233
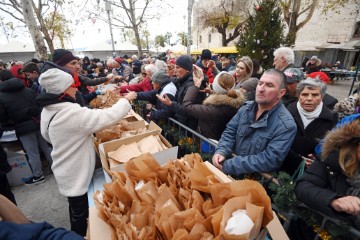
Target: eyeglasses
x,y
144,74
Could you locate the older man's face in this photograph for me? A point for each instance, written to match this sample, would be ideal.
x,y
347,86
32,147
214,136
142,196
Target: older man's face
x,y
180,72
279,62
268,91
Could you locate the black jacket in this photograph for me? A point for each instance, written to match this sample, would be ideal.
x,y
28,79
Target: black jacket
x,y
321,183
306,139
163,111
176,106
215,112
4,165
18,105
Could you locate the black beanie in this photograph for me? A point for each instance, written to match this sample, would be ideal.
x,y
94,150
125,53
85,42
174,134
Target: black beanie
x,y
62,57
185,62
206,54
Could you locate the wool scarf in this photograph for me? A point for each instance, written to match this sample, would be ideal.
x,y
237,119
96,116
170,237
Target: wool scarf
x,y
308,117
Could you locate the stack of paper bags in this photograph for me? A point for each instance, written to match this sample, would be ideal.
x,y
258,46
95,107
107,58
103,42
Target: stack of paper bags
x,y
180,200
149,144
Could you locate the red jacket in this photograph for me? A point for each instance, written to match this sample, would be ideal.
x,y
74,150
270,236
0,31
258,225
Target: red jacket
x,y
209,74
143,86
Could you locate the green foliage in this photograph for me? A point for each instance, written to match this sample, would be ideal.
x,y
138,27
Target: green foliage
x,y
182,38
284,196
263,33
167,37
160,40
57,26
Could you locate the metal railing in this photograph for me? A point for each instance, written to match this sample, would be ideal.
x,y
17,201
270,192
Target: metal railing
x,y
174,132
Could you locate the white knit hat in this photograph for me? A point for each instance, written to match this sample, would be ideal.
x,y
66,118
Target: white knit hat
x,y
55,81
216,86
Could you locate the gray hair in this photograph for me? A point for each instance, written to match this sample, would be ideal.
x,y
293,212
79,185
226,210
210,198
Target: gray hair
x,y
160,64
281,76
151,67
311,83
287,53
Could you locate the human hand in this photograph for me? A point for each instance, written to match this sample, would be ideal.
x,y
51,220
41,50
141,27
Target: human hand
x,y
198,75
207,89
348,204
117,90
309,160
165,99
131,96
211,64
217,160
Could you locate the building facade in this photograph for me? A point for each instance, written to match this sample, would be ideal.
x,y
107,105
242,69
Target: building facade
x,y
330,36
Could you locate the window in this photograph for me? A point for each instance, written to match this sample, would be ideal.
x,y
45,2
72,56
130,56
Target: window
x,y
200,39
209,38
357,30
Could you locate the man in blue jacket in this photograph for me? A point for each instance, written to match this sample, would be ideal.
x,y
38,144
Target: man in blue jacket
x,y
260,134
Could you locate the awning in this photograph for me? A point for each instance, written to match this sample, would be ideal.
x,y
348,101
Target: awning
x,y
224,50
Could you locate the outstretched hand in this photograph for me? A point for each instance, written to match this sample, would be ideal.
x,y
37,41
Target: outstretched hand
x,y
131,95
165,99
217,160
207,89
198,75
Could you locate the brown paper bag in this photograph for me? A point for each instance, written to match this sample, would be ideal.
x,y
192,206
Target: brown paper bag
x,y
258,196
143,167
181,234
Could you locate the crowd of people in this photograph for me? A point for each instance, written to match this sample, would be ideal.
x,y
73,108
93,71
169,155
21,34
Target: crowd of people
x,y
263,120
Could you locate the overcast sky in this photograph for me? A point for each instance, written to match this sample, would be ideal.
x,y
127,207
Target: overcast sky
x,y
89,31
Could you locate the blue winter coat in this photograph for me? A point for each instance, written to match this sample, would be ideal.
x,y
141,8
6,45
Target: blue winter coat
x,y
259,146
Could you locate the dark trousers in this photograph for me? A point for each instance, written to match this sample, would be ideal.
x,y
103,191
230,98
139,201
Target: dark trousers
x,y
5,189
79,212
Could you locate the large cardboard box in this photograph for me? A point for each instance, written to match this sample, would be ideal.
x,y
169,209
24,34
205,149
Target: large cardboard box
x,y
98,229
20,168
141,124
104,148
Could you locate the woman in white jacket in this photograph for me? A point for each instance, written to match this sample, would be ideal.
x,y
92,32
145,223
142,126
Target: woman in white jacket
x,y
68,127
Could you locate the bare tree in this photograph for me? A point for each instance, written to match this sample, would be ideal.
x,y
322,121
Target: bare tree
x,y
35,33
224,17
136,17
42,21
294,10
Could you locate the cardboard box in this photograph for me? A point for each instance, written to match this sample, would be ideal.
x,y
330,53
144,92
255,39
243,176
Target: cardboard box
x,y
20,168
98,229
136,125
104,148
133,117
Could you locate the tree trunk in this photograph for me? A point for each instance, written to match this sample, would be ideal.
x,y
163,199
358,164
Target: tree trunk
x,y
138,42
190,7
40,48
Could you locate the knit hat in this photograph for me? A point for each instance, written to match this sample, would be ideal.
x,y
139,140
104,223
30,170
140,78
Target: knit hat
x,y
314,58
219,86
55,81
159,77
293,75
250,84
321,75
118,59
206,54
185,62
62,57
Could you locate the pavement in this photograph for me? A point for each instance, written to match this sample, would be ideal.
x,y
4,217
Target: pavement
x,y
44,202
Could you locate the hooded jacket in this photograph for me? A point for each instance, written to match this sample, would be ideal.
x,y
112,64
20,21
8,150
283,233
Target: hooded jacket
x,y
69,127
215,112
18,105
325,181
